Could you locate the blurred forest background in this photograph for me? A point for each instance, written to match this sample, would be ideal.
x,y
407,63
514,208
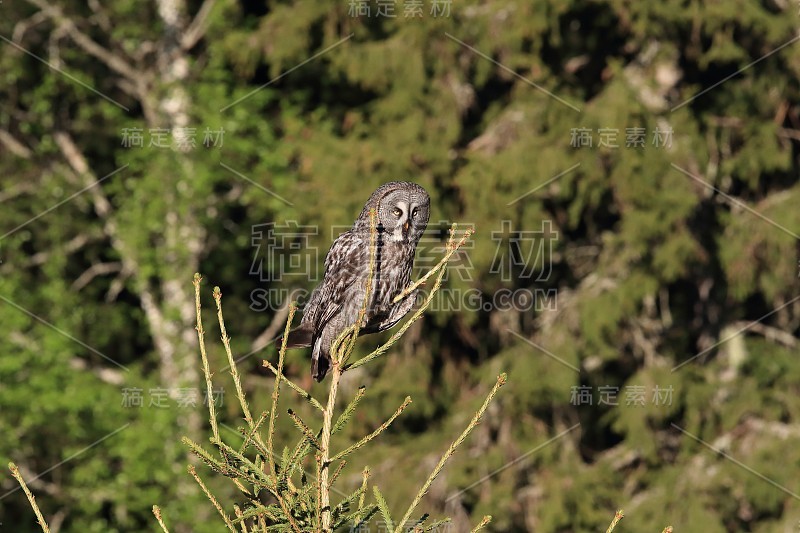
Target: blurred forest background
x,y
632,165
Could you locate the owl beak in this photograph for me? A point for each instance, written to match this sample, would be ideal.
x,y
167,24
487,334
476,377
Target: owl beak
x,y
405,226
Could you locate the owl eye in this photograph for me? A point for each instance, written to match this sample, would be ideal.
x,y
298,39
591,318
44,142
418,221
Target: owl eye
x,y
397,212
414,213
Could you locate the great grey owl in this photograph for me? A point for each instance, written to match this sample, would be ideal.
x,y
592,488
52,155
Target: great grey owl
x,y
402,210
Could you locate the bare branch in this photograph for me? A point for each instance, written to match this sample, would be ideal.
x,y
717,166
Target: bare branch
x,y
97,269
73,245
14,146
77,161
197,29
114,61
100,16
770,333
24,25
16,189
106,375
117,285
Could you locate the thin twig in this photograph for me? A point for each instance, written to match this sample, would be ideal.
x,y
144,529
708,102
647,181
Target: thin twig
x,y
617,517
336,473
253,431
483,524
212,415
349,410
445,259
226,342
304,429
198,27
276,390
501,380
365,477
31,497
372,435
297,388
114,60
157,514
273,415
211,497
239,516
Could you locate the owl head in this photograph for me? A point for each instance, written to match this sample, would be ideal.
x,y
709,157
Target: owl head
x,y
403,210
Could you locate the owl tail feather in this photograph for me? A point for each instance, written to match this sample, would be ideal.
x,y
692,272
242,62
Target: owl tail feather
x,y
319,366
320,361
299,337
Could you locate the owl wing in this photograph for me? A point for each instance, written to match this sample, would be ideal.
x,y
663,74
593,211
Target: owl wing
x,y
386,320
344,266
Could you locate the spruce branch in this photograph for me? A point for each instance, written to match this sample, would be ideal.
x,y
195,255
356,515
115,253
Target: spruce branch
x,y
384,508
359,518
216,465
483,523
304,429
244,467
300,451
307,506
248,436
617,517
336,473
417,526
400,332
157,514
212,416
349,410
501,380
258,510
451,249
276,389
433,526
339,353
294,386
345,504
31,497
374,434
226,342
364,479
324,455
211,497
239,518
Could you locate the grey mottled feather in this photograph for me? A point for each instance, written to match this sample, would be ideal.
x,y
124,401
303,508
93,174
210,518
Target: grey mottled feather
x,y
337,301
